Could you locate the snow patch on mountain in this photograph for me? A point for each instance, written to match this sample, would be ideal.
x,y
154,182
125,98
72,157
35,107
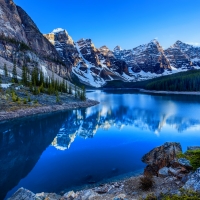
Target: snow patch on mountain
x,y
57,30
87,77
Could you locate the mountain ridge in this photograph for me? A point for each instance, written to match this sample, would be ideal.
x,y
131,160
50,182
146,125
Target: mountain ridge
x,y
96,66
21,42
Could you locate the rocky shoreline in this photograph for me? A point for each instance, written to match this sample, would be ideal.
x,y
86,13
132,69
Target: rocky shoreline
x,y
168,173
8,115
169,92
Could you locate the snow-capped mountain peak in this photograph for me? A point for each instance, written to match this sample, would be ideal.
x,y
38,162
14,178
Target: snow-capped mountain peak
x,y
95,66
58,30
117,48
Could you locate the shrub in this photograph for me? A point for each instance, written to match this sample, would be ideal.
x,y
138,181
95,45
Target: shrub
x,y
151,197
193,156
36,101
14,96
185,195
146,182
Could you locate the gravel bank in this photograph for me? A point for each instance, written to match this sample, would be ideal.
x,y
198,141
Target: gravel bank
x,y
6,115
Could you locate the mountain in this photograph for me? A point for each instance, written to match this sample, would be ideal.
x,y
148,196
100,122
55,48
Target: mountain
x,y
96,66
91,65
56,53
21,42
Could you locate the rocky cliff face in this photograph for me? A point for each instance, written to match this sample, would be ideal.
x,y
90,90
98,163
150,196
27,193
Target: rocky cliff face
x,y
192,52
35,38
91,65
23,43
11,23
147,58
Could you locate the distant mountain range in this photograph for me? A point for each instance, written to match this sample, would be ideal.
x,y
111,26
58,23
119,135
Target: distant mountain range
x,y
95,66
57,53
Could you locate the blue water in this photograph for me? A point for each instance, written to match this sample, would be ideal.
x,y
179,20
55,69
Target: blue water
x,y
59,152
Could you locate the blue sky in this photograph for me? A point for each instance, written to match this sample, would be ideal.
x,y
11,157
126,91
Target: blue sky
x,y
127,23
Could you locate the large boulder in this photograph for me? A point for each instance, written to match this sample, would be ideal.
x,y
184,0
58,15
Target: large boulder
x,y
193,182
185,163
160,157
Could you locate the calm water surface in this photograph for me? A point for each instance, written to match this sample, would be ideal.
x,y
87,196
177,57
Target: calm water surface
x,y
62,151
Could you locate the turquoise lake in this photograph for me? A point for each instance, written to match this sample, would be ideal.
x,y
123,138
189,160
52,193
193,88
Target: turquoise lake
x,y
79,148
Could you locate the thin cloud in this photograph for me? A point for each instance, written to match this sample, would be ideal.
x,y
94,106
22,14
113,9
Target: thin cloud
x,y
194,43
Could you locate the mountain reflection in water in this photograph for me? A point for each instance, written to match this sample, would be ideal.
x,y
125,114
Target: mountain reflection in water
x,y
85,123
55,152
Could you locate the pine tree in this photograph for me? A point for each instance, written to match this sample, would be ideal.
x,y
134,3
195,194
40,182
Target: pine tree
x,y
14,73
24,75
41,77
5,70
83,95
75,91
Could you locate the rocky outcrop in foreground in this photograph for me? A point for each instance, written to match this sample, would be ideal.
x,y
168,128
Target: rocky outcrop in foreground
x,y
161,157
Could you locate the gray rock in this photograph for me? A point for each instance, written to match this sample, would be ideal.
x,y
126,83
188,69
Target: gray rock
x,y
194,182
193,148
175,171
24,194
163,172
184,162
70,195
160,157
120,197
89,194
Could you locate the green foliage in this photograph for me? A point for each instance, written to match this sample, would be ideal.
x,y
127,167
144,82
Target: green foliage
x,y
83,94
185,195
25,102
25,76
36,101
14,73
22,46
14,96
189,81
151,197
146,182
57,97
193,156
183,81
